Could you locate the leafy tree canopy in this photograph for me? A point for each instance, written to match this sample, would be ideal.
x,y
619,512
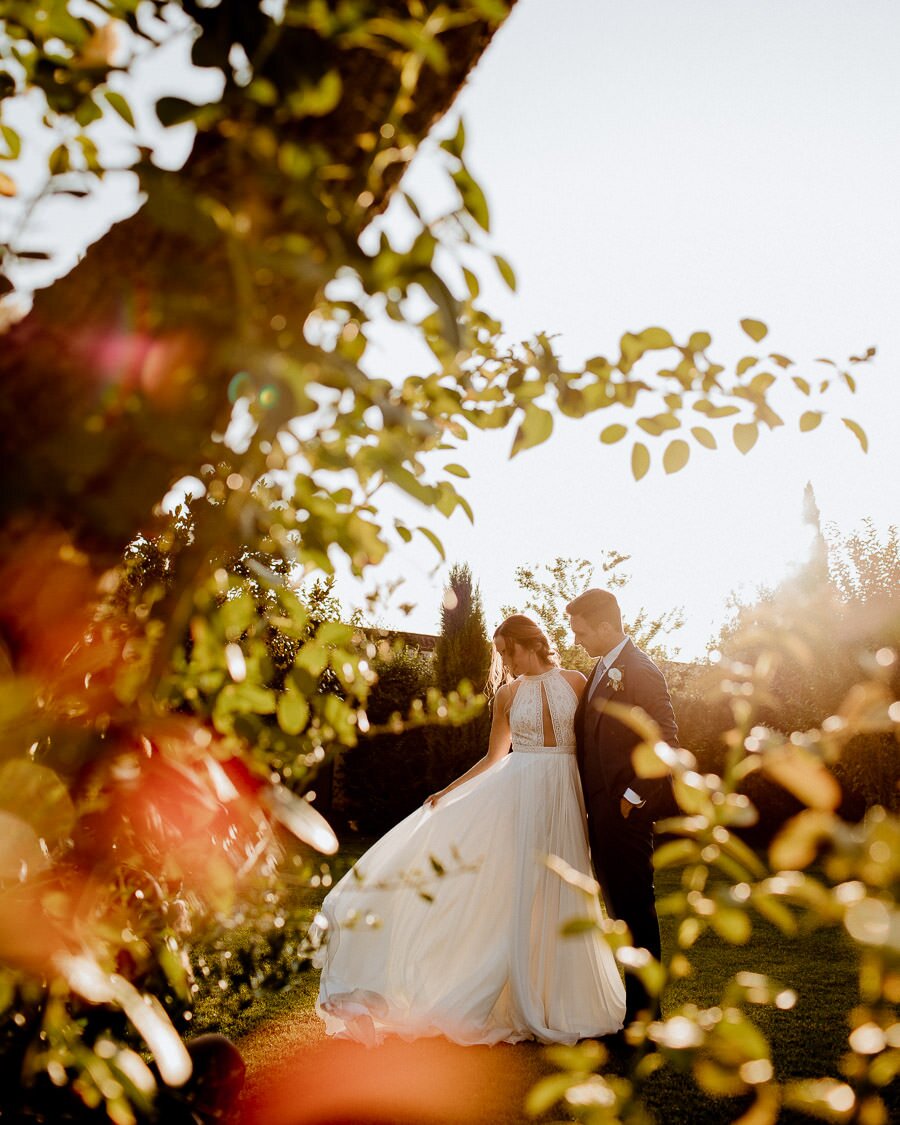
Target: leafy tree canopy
x,y
551,586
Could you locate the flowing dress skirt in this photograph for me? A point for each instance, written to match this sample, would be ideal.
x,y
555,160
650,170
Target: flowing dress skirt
x,y
451,923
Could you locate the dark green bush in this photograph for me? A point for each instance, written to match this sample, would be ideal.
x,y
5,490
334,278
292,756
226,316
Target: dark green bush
x,y
384,777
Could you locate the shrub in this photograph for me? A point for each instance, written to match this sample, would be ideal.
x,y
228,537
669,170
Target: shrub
x,y
386,775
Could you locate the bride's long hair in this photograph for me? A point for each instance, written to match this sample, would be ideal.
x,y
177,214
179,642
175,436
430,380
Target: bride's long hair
x,y
521,630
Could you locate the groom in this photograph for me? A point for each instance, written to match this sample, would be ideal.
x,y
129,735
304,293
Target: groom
x,y
621,807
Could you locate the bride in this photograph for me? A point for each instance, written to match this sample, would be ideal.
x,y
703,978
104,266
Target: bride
x,y
451,923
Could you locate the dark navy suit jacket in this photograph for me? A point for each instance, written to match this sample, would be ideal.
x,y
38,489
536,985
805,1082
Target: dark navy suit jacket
x,y
605,743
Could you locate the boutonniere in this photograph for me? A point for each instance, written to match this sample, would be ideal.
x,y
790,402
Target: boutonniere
x,y
614,676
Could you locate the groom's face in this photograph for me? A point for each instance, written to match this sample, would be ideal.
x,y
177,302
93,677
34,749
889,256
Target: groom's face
x,y
594,638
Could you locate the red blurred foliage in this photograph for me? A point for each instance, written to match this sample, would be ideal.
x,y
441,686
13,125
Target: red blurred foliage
x,y
427,1082
163,797
155,795
45,586
161,367
48,599
29,938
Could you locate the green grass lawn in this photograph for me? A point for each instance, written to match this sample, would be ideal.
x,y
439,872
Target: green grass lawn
x,y
272,1017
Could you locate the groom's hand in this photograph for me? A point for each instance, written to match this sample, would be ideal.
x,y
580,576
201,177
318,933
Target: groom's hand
x,y
629,801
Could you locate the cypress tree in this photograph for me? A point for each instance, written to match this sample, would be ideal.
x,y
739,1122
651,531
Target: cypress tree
x,y
463,652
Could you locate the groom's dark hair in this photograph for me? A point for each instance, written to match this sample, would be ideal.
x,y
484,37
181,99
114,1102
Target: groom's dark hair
x,y
597,606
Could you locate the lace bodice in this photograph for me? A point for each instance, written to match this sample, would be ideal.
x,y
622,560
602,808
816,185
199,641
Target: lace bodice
x,y
526,716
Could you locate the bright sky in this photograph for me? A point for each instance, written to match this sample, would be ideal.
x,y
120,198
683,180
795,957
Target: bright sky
x,y
686,165
683,164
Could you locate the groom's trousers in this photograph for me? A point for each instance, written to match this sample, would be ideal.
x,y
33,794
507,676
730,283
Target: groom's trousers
x,y
622,855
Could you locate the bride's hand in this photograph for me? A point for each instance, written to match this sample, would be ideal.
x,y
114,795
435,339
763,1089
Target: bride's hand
x,y
431,802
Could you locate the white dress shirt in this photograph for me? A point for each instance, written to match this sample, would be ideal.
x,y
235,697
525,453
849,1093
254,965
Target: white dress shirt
x,y
603,666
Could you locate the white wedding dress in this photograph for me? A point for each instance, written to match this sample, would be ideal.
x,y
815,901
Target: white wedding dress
x,y
476,954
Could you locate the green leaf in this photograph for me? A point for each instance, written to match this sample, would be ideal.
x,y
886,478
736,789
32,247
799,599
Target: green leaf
x,y
400,476
744,855
547,1092
434,541
705,438
731,924
412,34
536,427
241,699
175,111
659,423
473,199
576,926
236,615
457,471
654,339
312,658
640,460
59,162
760,383
404,532
858,432
632,347
776,913
746,363
810,420
292,711
447,307
745,435
455,144
37,796
319,99
88,112
675,853
90,152
781,360
704,406
262,91
646,762
334,633
755,329
493,10
676,456
296,162
120,105
699,341
176,974
613,433
13,143
506,271
447,498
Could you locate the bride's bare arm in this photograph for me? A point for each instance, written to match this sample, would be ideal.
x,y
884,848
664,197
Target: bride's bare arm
x,y
498,745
